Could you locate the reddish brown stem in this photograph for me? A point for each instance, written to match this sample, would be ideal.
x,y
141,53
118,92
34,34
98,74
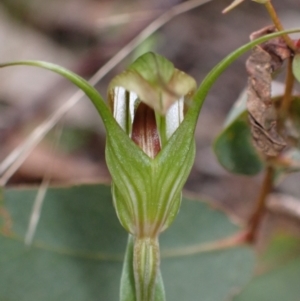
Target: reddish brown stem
x,y
260,206
278,25
287,97
289,84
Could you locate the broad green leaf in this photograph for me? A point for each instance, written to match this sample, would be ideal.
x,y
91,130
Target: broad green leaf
x,y
233,147
278,273
296,66
190,274
79,246
3,216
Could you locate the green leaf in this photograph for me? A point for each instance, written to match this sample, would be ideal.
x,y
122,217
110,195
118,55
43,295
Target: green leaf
x,y
78,250
4,223
191,274
233,147
296,66
278,273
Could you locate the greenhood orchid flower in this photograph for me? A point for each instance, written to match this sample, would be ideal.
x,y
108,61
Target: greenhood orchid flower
x,y
148,101
150,150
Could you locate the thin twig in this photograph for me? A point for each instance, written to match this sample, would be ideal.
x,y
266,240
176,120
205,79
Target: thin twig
x,y
41,193
287,97
289,84
267,185
260,207
272,12
13,161
117,20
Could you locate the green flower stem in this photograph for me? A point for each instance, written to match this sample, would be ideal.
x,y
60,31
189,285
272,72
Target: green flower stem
x,y
128,291
146,265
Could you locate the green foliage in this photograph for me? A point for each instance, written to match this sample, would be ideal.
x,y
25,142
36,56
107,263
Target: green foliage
x,y
78,250
278,272
296,66
233,147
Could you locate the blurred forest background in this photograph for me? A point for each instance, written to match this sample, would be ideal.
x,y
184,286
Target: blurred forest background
x,y
83,35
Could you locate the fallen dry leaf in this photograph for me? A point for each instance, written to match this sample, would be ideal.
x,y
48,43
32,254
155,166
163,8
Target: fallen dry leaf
x,y
263,62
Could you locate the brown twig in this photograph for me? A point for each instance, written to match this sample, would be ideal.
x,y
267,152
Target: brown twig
x,y
260,206
267,184
289,84
287,97
272,12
